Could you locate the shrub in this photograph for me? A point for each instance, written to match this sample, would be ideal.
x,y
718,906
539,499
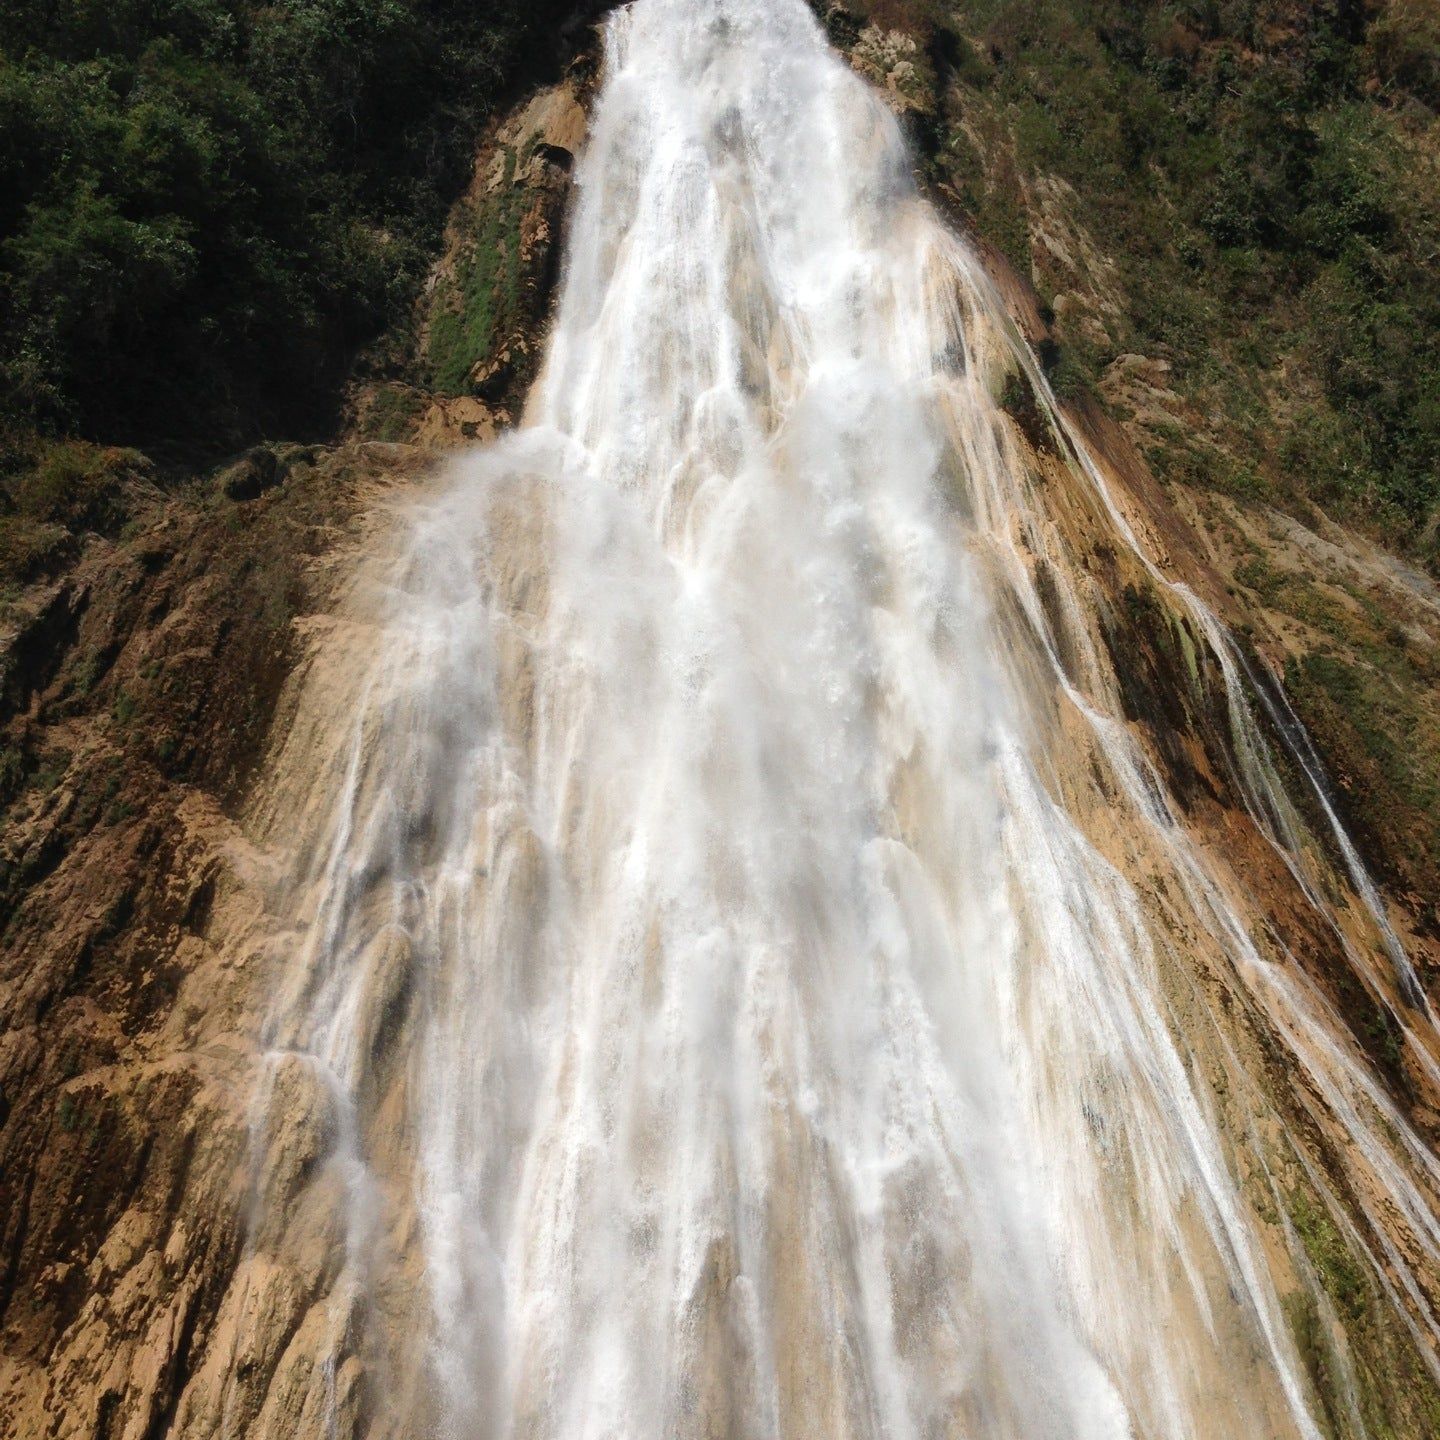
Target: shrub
x,y
205,205
1274,223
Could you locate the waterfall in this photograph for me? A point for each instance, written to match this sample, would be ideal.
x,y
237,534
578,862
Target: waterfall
x,y
745,977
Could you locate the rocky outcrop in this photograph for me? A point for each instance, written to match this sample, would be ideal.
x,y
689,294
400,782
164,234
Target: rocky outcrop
x,y
478,342
126,1038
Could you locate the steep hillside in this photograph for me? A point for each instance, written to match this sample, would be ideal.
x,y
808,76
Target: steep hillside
x,y
206,211
1222,222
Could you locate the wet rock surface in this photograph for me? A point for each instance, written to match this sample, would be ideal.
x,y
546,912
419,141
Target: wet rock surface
x,y
126,1042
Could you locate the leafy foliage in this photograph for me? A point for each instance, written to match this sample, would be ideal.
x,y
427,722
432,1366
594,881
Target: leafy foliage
x,y
1266,176
206,204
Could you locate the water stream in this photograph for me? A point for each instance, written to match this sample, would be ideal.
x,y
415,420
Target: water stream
x,y
758,981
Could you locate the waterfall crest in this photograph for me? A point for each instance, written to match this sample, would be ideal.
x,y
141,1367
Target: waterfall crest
x,y
747,977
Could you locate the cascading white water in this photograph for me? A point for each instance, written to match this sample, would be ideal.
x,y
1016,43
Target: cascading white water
x,y
739,1013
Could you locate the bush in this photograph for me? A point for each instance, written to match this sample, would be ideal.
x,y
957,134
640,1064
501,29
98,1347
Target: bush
x,y
206,205
1405,43
74,485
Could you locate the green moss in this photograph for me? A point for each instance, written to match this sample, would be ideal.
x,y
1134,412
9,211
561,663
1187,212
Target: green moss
x,y
1396,1394
1316,1353
1188,653
1339,1273
475,307
1018,399
67,1112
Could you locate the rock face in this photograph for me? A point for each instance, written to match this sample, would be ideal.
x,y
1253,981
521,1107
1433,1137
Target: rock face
x,y
128,1040
502,251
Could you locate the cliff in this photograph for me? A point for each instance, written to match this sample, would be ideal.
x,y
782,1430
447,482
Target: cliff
x,y
162,621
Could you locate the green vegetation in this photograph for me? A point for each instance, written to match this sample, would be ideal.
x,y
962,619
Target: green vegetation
x,y
1366,682
53,491
1394,1391
207,204
473,308
1341,1276
393,412
67,1111
1375,718
1265,177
